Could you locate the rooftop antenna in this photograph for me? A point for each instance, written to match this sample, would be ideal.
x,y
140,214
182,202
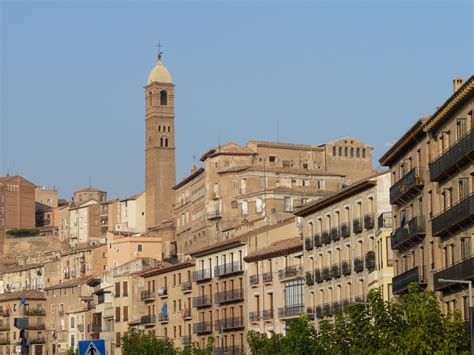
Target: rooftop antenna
x,y
90,181
8,167
160,53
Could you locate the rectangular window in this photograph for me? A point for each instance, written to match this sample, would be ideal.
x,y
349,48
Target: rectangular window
x,y
117,289
117,314
288,204
125,288
139,247
461,127
125,313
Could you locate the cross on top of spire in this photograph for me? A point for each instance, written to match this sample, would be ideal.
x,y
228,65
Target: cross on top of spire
x,y
159,50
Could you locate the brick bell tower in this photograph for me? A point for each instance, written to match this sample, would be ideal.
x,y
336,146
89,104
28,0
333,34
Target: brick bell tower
x,y
160,161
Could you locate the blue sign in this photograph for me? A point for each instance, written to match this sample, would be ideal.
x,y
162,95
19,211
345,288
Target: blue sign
x,y
92,347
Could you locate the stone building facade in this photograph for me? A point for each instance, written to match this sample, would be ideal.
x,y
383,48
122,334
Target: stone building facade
x,y
19,202
345,247
432,200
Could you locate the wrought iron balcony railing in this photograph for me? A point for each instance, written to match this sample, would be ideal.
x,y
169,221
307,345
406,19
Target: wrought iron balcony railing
x,y
290,271
326,237
385,220
408,186
255,316
401,282
369,221
370,261
335,235
318,275
202,275
186,286
267,277
454,218
327,273
335,271
290,311
308,243
147,295
267,314
317,241
463,270
358,264
202,301
202,327
457,156
357,225
228,269
346,268
309,278
253,280
408,235
236,294
345,230
229,324
148,319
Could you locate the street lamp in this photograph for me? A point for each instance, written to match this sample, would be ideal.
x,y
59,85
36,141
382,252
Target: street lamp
x,y
471,310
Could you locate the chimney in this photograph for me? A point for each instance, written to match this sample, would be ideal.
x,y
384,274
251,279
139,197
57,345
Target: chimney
x,y
457,83
193,168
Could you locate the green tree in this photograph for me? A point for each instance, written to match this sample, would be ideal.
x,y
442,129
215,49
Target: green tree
x,y
136,342
259,343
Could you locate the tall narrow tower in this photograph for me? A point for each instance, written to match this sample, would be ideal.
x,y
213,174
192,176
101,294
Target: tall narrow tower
x,y
160,161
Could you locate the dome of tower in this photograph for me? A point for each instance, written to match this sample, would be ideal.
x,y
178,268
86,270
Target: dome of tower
x,y
160,74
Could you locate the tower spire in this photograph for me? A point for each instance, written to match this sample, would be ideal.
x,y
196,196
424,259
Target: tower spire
x,y
160,53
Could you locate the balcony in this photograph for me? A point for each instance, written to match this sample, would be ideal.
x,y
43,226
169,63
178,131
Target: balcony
x,y
37,326
335,271
4,327
345,230
267,277
163,318
454,218
412,234
148,319
458,155
80,327
214,215
335,235
187,314
346,268
186,286
385,220
291,311
4,341
370,261
37,340
369,221
96,328
401,282
227,350
357,225
34,312
308,244
234,295
202,275
202,301
4,313
326,237
310,312
326,310
147,295
317,241
229,324
319,312
255,316
327,273
309,278
267,314
358,264
253,280
407,187
318,276
109,312
163,292
202,328
290,271
228,269
186,340
463,270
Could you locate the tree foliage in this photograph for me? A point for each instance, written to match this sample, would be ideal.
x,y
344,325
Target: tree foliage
x,y
412,324
137,342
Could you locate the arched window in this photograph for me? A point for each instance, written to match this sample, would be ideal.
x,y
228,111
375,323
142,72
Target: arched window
x,y
340,151
150,99
163,98
363,152
72,322
352,152
159,128
345,151
358,152
161,141
333,151
166,142
169,129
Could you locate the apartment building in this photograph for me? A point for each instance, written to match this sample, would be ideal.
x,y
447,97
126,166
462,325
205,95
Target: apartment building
x,y
68,308
274,292
166,296
84,223
23,277
19,196
81,261
29,305
221,286
345,253
432,200
123,247
47,197
242,183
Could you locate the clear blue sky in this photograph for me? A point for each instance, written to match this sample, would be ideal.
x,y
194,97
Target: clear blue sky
x,y
73,75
